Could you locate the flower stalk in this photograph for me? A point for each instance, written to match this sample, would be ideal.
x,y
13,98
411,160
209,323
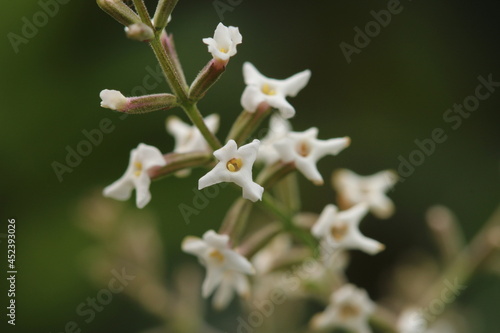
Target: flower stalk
x,y
142,10
197,119
119,11
176,162
167,41
162,13
206,79
247,123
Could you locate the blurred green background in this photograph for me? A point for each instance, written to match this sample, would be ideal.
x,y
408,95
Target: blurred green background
x,y
393,92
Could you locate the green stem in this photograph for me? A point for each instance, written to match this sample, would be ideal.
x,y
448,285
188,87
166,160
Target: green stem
x,y
174,79
259,239
468,260
163,11
140,6
247,123
274,207
271,175
197,119
287,191
236,219
177,162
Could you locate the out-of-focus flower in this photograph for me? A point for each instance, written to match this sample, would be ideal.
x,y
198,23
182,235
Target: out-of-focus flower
x,y
349,308
305,150
353,189
274,252
413,321
189,138
136,176
274,92
278,129
226,268
340,230
223,45
235,165
232,282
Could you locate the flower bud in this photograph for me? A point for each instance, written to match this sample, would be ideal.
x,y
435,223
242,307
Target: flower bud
x,y
140,32
119,11
114,100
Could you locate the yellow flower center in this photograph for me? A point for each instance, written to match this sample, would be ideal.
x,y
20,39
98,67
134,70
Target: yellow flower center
x,y
223,50
268,90
234,164
348,311
303,149
138,168
217,255
338,232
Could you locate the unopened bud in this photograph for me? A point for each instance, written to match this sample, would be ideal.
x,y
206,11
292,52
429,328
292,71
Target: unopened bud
x,y
114,100
206,79
119,11
163,13
140,32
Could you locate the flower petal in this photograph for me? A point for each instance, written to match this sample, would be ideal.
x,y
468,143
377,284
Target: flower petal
x,y
120,189
212,280
251,99
149,156
251,75
294,84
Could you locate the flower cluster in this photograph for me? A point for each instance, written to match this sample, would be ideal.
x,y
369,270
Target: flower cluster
x,y
228,254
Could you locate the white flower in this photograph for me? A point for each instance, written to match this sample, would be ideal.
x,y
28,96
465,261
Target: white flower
x,y
278,129
305,150
411,321
235,165
276,251
353,189
189,138
225,267
142,158
274,92
349,308
113,99
340,230
232,281
223,45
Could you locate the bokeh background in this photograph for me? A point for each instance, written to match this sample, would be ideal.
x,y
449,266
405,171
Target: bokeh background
x,y
394,92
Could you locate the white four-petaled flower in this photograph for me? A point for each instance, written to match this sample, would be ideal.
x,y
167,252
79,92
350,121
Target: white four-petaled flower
x,y
278,129
189,138
235,165
340,230
349,308
223,45
304,149
136,176
226,268
353,189
274,92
